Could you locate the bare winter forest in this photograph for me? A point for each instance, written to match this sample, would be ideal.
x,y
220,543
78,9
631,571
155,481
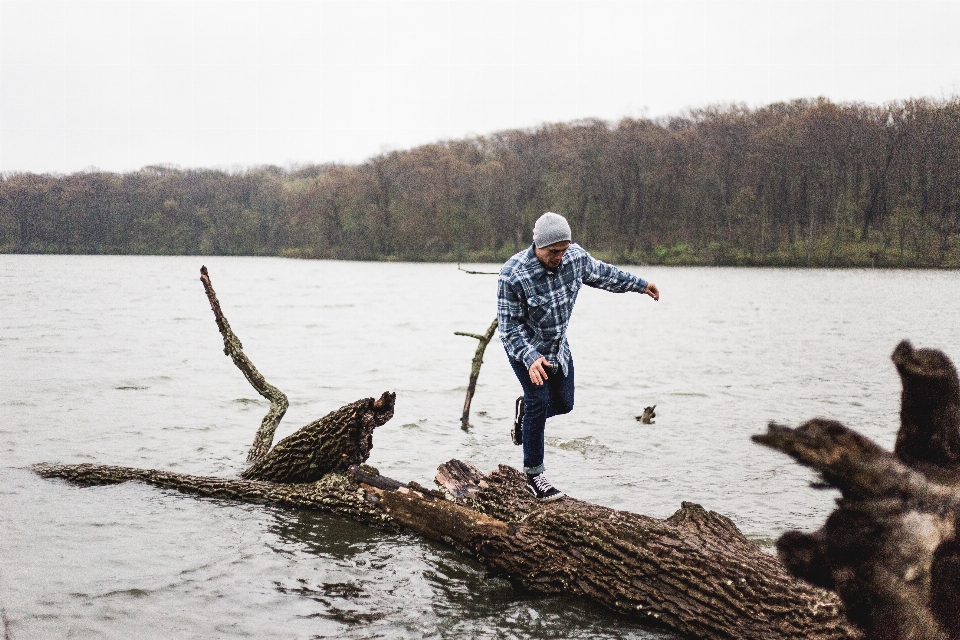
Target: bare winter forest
x,y
808,182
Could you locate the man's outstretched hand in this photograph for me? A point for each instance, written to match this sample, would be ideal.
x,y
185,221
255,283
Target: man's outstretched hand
x,y
538,370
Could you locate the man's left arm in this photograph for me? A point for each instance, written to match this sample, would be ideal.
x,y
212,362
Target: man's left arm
x,y
606,276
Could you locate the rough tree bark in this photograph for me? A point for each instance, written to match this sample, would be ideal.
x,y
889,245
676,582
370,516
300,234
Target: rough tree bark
x,y
890,549
233,348
475,369
693,572
335,442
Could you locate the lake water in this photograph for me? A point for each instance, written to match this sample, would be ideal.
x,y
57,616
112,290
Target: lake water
x,y
117,360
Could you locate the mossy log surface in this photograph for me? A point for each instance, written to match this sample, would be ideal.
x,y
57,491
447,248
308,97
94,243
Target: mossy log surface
x,y
333,443
890,549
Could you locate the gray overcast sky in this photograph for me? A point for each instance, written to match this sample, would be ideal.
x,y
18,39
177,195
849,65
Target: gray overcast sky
x,y
124,84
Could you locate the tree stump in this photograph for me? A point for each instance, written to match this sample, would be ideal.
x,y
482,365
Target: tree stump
x,y
890,549
333,443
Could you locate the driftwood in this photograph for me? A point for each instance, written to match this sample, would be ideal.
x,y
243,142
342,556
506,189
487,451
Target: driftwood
x,y
693,572
648,415
475,365
333,443
890,549
478,273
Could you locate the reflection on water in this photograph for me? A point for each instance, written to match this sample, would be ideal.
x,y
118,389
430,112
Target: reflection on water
x,y
377,585
131,371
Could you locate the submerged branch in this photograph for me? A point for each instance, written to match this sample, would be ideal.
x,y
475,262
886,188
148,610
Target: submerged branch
x,y
478,273
475,369
334,493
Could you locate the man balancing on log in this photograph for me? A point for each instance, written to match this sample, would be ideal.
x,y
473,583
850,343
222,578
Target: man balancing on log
x,y
535,295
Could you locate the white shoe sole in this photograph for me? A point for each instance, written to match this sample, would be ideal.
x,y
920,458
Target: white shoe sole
x,y
557,496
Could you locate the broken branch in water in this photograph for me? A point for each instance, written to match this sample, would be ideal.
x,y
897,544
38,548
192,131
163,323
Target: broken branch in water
x,y
478,273
475,369
648,415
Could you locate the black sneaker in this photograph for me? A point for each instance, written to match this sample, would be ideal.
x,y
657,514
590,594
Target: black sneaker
x,y
541,488
517,433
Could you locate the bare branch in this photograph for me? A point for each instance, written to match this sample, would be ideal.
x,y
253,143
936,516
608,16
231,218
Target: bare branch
x,y
478,273
476,336
475,369
233,348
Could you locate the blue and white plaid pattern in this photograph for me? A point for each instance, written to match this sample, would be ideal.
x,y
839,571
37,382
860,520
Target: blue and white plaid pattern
x,y
534,305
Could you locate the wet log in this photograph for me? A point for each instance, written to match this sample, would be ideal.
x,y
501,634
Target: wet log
x,y
693,572
337,493
890,549
333,443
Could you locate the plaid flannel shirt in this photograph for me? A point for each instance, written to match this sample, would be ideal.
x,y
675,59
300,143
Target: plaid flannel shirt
x,y
534,305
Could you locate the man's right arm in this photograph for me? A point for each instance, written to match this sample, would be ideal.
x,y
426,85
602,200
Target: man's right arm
x,y
511,323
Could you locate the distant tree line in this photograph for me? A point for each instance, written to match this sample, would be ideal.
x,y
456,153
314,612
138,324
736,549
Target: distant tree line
x,y
807,182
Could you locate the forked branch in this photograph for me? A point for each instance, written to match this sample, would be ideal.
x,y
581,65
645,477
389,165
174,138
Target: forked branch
x,y
475,369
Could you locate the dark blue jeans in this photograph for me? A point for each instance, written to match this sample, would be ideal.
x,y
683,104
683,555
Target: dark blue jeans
x,y
552,398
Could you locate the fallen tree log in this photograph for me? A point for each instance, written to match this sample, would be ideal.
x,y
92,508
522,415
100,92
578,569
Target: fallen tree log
x,y
890,549
693,572
334,493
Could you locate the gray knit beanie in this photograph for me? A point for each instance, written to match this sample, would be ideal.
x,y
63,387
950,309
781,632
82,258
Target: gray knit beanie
x,y
550,228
